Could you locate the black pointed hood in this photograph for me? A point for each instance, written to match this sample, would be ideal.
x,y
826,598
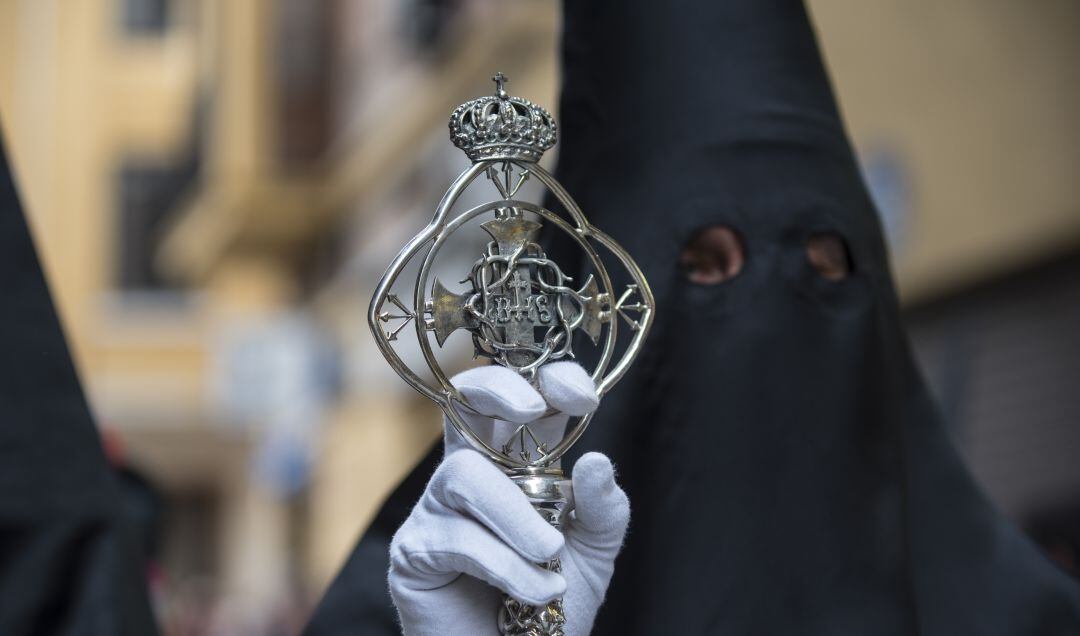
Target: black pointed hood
x,y
68,562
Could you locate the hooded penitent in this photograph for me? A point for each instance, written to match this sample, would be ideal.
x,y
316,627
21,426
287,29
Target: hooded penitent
x,y
787,470
69,561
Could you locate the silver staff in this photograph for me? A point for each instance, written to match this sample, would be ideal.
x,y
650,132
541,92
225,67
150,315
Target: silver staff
x,y
519,306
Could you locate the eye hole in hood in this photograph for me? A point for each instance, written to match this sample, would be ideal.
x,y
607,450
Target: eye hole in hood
x,y
829,255
713,255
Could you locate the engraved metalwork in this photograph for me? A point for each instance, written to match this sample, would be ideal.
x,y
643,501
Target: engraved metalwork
x,y
520,308
403,318
516,617
502,127
522,312
551,494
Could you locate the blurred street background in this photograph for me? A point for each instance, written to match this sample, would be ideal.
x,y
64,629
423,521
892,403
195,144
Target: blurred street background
x,y
216,186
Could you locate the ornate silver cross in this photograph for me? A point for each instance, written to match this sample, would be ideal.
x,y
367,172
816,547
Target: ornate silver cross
x,y
520,308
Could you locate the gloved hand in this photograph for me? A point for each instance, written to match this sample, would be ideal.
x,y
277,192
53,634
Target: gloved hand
x,y
473,535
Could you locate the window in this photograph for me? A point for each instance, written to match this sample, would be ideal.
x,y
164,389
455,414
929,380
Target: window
x,y
148,194
145,17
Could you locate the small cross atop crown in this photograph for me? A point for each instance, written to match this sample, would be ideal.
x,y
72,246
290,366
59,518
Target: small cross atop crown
x,y
502,127
500,83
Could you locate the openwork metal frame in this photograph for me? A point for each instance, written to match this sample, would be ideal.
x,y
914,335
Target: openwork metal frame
x,y
516,292
633,305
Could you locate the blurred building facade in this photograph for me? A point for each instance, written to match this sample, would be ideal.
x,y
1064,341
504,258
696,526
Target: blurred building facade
x,y
216,187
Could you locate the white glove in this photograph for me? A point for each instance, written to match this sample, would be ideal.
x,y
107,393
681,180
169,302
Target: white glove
x,y
473,535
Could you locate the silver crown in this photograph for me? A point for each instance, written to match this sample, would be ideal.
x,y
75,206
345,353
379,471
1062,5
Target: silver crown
x,y
502,127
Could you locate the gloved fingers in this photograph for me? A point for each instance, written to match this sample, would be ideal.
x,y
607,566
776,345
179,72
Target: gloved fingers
x,y
482,427
601,507
468,483
497,391
463,607
568,388
433,558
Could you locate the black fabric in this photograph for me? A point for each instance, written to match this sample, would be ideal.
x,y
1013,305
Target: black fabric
x,y
787,470
68,566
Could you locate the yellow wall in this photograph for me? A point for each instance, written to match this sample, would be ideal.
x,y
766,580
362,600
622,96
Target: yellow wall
x,y
981,99
74,95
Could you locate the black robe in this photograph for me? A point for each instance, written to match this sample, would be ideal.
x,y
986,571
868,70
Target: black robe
x,y
787,469
69,556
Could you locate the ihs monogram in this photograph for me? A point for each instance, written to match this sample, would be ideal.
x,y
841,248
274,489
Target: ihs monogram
x,y
534,308
521,310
